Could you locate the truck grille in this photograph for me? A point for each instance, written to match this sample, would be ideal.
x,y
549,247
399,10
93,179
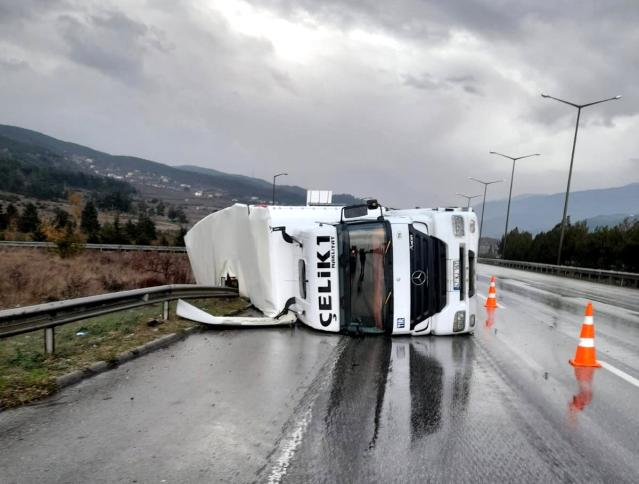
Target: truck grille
x,y
427,254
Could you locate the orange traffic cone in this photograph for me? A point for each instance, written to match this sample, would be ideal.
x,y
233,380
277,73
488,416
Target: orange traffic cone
x,y
585,355
491,302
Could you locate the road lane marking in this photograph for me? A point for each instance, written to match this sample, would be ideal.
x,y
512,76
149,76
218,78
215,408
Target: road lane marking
x,y
291,445
621,374
294,439
498,304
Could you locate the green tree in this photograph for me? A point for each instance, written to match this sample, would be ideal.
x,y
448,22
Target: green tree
x,y
614,248
113,233
142,209
179,239
518,245
163,241
131,231
11,213
3,219
146,231
89,222
172,213
29,221
630,251
160,208
182,217
115,200
61,218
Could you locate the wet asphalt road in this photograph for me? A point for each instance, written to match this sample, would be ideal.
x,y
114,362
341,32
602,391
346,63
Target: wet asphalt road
x,y
293,405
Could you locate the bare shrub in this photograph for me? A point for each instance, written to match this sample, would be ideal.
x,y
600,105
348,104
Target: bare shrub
x,y
150,281
74,286
30,276
166,267
18,278
111,282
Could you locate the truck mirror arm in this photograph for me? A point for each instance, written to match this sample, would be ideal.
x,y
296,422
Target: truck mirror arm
x,y
286,236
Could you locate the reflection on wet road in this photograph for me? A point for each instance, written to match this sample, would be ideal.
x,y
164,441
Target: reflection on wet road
x,y
502,405
451,410
294,405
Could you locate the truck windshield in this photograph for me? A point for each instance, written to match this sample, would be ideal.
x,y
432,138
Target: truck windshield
x,y
366,276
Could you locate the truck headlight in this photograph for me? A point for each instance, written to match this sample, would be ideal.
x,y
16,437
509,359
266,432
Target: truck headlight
x,y
472,320
458,225
460,320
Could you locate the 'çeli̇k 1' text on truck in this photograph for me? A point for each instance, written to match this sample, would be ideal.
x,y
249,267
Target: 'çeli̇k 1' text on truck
x,y
356,269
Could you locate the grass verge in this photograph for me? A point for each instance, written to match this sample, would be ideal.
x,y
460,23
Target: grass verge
x,y
28,373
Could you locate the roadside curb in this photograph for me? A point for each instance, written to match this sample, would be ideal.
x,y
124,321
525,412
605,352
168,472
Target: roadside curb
x,y
77,376
98,367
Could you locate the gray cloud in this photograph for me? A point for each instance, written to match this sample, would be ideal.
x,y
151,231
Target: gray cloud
x,y
22,10
110,42
12,65
428,82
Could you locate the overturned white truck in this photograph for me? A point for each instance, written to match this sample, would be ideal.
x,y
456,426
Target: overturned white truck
x,y
359,269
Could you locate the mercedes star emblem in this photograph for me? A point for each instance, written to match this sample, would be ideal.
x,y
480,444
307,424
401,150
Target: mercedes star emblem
x,y
418,278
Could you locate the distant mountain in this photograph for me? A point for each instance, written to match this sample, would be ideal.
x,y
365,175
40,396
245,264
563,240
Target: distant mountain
x,y
38,172
140,172
609,220
537,213
259,185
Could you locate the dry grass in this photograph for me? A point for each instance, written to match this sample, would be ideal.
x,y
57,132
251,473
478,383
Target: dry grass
x,y
33,276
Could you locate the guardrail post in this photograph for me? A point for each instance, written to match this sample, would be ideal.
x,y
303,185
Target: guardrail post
x,y
49,340
165,310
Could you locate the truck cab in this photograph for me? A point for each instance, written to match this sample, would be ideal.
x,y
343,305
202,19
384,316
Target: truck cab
x,y
360,269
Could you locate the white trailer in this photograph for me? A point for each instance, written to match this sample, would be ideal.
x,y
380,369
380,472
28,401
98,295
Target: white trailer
x,y
361,269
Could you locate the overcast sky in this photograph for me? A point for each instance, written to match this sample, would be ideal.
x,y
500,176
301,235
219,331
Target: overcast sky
x,y
401,99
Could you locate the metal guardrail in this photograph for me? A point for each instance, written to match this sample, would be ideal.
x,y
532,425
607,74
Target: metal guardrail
x,y
624,279
102,247
49,315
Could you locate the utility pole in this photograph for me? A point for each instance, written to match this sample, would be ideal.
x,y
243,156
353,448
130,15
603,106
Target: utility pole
x,y
274,178
510,193
468,198
572,158
483,205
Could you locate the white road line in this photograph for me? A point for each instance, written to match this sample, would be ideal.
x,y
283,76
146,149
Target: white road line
x,y
621,374
294,439
291,445
498,304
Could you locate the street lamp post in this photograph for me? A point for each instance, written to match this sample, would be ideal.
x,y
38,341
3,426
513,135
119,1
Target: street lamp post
x,y
510,193
468,198
274,178
483,205
572,157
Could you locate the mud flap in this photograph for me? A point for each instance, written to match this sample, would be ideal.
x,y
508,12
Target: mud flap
x,y
190,312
